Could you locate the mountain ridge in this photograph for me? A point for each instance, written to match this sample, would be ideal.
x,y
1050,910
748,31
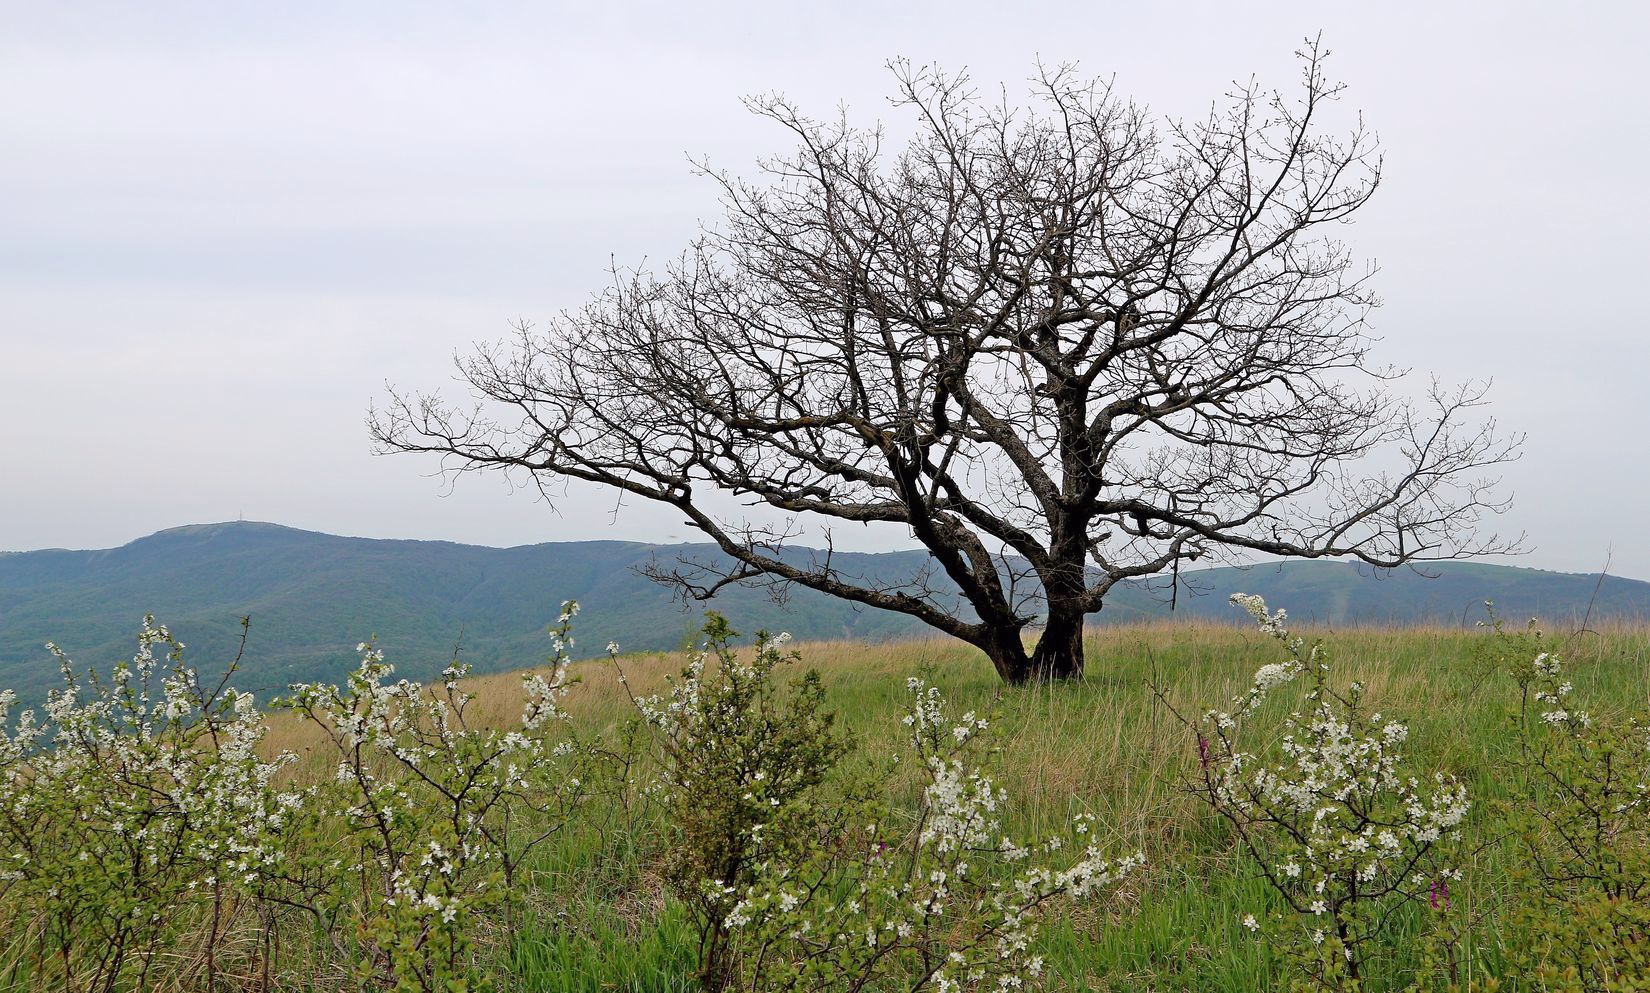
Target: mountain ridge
x,y
313,596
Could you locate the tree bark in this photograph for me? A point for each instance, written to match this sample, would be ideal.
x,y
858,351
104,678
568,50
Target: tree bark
x,y
1005,648
1057,656
1059,651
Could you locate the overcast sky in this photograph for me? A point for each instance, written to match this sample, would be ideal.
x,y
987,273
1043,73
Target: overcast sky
x,y
224,226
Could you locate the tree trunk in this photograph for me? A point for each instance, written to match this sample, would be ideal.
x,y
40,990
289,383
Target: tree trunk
x,y
1058,655
1003,645
1059,652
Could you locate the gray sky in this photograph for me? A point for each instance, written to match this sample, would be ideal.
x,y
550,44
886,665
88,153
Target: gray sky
x,y
224,226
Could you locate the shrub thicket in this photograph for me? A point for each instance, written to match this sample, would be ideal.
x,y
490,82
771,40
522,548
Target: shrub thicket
x,y
152,839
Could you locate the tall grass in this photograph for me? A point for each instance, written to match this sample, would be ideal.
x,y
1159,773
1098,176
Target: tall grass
x,y
598,919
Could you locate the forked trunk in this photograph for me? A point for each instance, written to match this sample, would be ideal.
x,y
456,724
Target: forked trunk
x,y
1058,655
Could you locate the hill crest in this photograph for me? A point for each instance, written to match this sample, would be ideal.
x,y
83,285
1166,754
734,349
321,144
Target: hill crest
x,y
312,596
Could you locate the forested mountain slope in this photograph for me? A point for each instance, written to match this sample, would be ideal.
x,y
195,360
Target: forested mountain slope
x,y
313,596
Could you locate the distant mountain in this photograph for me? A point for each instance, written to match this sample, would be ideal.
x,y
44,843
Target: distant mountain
x,y
1345,593
313,596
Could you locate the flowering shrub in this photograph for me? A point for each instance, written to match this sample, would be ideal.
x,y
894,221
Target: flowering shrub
x,y
938,899
139,815
437,814
1581,920
1330,816
743,760
135,810
149,840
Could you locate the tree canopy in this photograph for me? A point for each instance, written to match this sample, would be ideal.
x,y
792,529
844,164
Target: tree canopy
x,y
1063,345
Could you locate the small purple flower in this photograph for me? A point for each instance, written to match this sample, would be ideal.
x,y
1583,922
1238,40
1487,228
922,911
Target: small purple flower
x,y
1439,897
1202,752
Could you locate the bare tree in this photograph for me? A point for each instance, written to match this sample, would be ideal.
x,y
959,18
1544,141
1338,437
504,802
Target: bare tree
x,y
1064,347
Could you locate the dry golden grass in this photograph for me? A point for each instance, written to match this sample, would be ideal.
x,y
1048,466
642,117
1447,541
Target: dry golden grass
x,y
1106,745
1222,655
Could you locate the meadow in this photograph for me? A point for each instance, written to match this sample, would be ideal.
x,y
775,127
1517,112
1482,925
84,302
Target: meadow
x,y
591,909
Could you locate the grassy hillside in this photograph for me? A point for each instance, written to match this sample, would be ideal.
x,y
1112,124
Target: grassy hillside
x,y
597,920
313,596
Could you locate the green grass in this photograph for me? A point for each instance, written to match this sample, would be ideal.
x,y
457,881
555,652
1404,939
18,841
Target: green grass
x,y
1106,747
596,917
